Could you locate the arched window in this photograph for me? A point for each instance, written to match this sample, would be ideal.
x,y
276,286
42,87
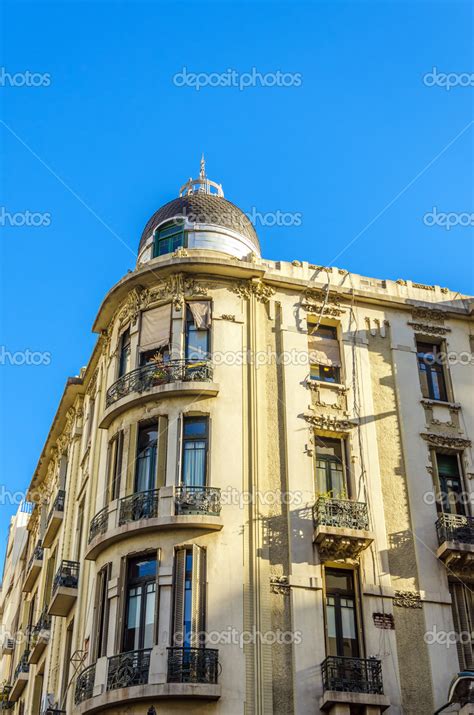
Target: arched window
x,y
168,237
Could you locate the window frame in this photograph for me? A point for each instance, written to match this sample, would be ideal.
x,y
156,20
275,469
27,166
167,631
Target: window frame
x,y
313,327
114,466
196,437
142,582
342,441
145,425
356,594
462,508
429,368
190,328
124,353
165,227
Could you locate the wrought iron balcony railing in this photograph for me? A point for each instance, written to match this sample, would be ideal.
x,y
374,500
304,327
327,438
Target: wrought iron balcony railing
x,y
352,675
141,505
58,503
85,684
455,527
37,555
193,665
128,669
43,624
23,665
5,702
67,575
342,513
99,523
151,375
198,500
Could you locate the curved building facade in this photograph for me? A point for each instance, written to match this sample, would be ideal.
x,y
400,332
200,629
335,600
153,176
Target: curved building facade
x,y
249,499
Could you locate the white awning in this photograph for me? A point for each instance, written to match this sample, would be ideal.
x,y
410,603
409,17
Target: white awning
x,y
155,329
201,310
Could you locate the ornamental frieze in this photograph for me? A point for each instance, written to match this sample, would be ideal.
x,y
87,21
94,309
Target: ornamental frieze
x,y
315,300
246,289
430,314
330,423
429,329
280,585
407,599
446,441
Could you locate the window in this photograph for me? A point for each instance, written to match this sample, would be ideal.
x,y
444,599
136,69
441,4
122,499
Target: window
x,y
155,333
463,617
66,662
341,617
114,466
102,612
90,419
194,452
140,606
198,323
324,353
189,597
79,530
450,484
147,448
430,368
168,238
125,353
330,468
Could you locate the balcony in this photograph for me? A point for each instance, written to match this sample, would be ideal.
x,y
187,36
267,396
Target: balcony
x,y
147,676
20,677
456,544
154,381
341,528
5,702
158,509
34,567
39,637
352,681
64,589
55,518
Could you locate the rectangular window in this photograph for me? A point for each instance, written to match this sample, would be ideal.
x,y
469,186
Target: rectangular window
x,y
341,616
146,462
79,530
155,333
168,238
102,612
451,490
189,597
330,468
139,629
431,371
125,353
114,466
90,418
195,451
198,325
324,353
463,617
67,662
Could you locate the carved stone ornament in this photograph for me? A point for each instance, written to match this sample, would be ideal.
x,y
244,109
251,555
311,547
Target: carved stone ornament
x,y
280,585
407,599
445,441
330,423
341,391
228,316
314,301
262,291
430,314
429,329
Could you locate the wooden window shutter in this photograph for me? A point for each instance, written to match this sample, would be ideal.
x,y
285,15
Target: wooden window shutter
x,y
132,455
198,605
162,448
122,589
179,577
118,466
179,447
463,617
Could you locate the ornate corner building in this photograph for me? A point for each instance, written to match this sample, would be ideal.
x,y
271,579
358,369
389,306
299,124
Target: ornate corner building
x,y
255,498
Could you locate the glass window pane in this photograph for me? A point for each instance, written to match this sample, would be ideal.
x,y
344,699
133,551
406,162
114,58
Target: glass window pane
x,y
148,639
194,463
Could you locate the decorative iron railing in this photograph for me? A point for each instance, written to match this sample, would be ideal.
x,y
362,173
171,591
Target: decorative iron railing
x,y
141,505
198,500
455,527
5,702
43,624
128,669
84,684
342,513
37,555
58,503
193,665
151,375
23,665
67,575
352,675
99,523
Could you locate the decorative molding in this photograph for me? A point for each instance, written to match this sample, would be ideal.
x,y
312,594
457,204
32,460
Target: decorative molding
x,y
314,300
401,282
262,291
432,314
407,599
227,316
331,423
384,621
341,390
180,252
453,406
380,326
430,329
423,286
280,585
445,441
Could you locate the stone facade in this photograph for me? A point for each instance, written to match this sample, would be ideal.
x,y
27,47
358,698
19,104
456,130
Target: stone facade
x,y
266,559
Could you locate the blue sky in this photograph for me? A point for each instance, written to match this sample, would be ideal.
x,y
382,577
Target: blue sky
x,y
361,149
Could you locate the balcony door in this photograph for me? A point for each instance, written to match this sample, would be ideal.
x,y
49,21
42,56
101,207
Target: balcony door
x,y
139,631
146,461
450,485
341,614
330,469
189,597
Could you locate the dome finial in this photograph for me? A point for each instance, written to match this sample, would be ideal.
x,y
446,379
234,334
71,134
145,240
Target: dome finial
x,y
203,185
202,173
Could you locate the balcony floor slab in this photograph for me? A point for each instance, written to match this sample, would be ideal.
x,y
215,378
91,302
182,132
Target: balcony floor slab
x,y
151,691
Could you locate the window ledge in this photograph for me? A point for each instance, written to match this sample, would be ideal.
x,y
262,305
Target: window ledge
x,y
336,386
431,402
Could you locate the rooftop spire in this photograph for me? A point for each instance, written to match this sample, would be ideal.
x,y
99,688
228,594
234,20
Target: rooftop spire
x,y
202,173
203,185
